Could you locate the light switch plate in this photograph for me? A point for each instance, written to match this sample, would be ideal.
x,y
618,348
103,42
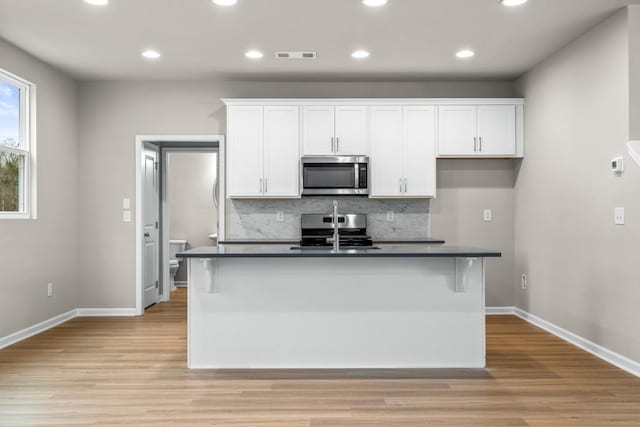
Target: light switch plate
x,y
126,204
280,216
619,216
390,216
488,215
126,216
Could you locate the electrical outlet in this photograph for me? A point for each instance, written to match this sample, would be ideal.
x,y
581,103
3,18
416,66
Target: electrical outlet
x,y
523,281
49,290
488,215
619,216
390,216
280,216
126,216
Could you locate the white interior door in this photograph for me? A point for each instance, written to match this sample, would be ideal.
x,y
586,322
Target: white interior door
x,y
497,130
150,215
457,130
420,151
386,152
319,130
351,131
281,151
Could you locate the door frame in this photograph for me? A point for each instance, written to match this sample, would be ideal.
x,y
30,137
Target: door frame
x,y
140,141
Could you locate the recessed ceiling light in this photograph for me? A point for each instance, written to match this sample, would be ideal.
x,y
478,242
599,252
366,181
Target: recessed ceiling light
x,y
97,2
513,2
225,2
254,54
465,53
360,54
151,54
374,3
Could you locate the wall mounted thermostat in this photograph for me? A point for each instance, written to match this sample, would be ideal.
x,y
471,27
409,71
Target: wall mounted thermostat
x,y
617,165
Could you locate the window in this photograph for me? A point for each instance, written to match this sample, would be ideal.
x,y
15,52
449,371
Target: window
x,y
15,147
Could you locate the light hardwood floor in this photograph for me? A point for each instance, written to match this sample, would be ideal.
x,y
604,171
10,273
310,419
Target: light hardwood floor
x,y
132,371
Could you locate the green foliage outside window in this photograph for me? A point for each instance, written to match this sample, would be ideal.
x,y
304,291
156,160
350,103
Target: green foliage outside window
x,y
10,170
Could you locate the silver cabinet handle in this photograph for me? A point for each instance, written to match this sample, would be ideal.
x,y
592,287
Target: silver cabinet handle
x,y
337,144
332,150
475,144
261,185
400,184
405,185
266,185
480,139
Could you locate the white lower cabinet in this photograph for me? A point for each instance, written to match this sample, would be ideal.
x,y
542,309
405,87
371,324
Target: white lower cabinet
x,y
263,152
403,155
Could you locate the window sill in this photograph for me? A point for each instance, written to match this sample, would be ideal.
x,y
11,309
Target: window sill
x,y
14,215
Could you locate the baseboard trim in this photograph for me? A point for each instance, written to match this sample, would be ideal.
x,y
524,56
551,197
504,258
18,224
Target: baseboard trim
x,y
495,311
106,312
609,356
30,331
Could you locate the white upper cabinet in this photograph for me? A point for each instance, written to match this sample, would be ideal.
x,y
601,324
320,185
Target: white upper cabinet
x,y
263,152
420,151
477,131
351,130
458,130
403,151
497,130
318,131
281,153
386,158
330,130
245,151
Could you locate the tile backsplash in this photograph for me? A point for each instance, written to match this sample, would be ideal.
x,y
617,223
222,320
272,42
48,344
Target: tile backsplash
x,y
256,219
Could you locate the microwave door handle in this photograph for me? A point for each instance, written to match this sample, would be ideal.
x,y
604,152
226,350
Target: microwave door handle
x,y
356,175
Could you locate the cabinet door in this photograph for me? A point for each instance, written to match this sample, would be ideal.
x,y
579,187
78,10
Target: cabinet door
x,y
351,130
420,151
457,130
318,131
497,130
281,151
245,143
386,152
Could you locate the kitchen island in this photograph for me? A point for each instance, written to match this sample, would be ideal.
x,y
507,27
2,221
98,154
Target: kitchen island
x,y
391,306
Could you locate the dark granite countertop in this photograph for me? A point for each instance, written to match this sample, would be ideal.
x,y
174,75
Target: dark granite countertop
x,y
412,250
295,242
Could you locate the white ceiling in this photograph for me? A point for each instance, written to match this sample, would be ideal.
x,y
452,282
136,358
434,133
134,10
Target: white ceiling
x,y
408,39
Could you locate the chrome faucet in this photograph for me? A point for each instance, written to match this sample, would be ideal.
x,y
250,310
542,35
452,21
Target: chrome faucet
x,y
336,225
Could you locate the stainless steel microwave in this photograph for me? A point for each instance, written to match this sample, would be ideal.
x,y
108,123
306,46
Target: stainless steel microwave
x,y
335,175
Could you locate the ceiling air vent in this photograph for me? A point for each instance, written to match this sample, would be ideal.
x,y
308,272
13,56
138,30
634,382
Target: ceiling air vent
x,y
296,55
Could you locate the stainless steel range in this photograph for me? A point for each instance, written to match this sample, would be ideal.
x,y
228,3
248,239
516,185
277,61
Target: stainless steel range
x,y
318,231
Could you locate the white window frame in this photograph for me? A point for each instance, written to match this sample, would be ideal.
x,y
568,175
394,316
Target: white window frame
x,y
26,117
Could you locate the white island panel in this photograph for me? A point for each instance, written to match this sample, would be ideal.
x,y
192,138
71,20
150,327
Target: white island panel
x,y
336,313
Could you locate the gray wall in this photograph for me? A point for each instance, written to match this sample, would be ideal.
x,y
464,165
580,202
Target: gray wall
x,y
35,252
634,72
582,268
465,189
192,213
113,113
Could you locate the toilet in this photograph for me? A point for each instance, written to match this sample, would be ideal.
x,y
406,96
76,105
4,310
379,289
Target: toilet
x,y
175,246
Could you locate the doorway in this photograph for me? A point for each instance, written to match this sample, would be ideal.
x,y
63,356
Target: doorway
x,y
198,184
